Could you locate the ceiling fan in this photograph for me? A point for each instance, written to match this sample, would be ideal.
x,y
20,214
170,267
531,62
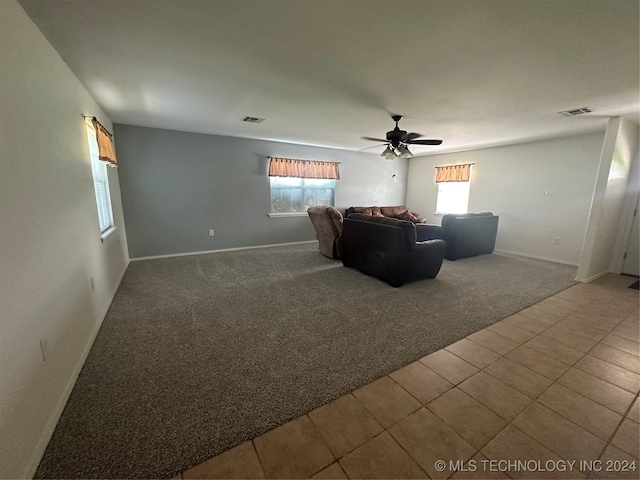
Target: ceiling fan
x,y
398,140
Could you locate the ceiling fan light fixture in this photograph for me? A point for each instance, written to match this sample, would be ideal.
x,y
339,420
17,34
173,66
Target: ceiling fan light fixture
x,y
404,152
388,153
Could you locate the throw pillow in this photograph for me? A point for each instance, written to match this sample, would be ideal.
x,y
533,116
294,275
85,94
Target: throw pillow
x,y
409,216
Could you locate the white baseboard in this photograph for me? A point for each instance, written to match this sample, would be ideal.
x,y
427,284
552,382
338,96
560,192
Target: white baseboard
x,y
537,257
153,257
38,452
594,277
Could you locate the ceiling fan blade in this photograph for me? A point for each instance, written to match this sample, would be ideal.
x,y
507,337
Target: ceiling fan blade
x,y
424,142
375,139
413,136
375,146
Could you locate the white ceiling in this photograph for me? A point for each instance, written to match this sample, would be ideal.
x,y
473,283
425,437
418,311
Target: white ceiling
x,y
327,72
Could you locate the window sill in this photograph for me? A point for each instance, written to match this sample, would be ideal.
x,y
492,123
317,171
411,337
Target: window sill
x,y
292,214
107,233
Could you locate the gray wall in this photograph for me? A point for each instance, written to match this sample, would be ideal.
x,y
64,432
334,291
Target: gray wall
x,y
177,185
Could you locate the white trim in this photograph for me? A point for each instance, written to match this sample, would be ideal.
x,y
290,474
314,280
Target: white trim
x,y
288,214
153,257
107,233
46,435
594,277
537,257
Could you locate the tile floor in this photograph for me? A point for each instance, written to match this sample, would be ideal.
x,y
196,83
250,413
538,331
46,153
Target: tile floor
x,y
554,383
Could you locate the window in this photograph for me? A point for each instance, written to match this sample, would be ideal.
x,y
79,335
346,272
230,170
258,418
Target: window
x,y
295,194
100,182
453,188
453,197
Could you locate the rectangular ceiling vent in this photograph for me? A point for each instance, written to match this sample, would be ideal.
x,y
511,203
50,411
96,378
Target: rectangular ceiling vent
x,y
253,119
576,111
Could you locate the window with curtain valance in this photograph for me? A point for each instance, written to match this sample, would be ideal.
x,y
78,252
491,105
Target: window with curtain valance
x,y
106,150
453,173
291,167
453,188
299,184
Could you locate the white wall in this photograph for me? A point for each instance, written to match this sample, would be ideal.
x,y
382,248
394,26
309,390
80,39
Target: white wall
x,y
49,239
511,181
602,242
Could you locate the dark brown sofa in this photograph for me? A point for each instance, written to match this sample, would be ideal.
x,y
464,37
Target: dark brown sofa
x,y
400,212
386,248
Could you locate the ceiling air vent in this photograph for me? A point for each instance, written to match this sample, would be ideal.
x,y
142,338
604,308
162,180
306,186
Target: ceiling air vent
x,y
253,119
576,111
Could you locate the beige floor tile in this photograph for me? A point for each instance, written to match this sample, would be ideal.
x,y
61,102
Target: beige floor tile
x,y
621,343
478,468
239,462
586,413
581,329
386,401
449,366
600,391
380,457
575,296
496,395
527,323
558,434
617,357
604,393
632,322
557,306
609,372
493,341
513,445
427,439
593,320
421,382
293,450
512,332
473,353
544,314
570,339
468,417
627,438
629,333
332,471
519,377
345,424
618,462
555,349
634,411
538,362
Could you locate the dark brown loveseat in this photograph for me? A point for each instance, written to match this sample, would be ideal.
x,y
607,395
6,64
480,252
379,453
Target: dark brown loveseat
x,y
467,235
386,248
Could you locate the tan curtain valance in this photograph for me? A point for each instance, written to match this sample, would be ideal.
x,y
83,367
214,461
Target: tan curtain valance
x,y
106,150
290,167
453,173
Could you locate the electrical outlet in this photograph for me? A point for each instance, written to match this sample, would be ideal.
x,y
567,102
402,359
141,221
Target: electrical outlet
x,y
211,232
93,284
44,348
556,241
